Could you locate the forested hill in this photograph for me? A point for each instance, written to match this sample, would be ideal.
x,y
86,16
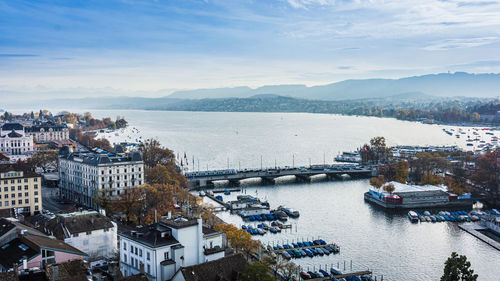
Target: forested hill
x,y
446,110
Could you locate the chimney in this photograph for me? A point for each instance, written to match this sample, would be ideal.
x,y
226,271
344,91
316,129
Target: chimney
x,y
25,263
156,217
169,215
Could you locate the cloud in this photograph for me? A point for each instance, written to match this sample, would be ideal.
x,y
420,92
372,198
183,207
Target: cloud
x,y
460,43
17,55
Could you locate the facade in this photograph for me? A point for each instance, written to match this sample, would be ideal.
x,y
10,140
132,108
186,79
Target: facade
x,y
20,189
48,131
85,175
88,231
14,141
162,249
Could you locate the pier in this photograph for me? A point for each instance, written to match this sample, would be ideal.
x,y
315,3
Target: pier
x,y
268,176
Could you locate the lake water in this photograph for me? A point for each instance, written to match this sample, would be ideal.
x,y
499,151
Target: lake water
x,y
335,211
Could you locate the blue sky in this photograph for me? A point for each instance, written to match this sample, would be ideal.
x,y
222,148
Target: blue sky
x,y
133,45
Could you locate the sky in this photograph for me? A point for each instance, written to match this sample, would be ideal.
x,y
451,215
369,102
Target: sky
x,y
154,47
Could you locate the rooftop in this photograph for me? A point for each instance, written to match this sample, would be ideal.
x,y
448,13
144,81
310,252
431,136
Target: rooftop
x,y
64,225
12,126
15,251
223,269
38,242
154,235
178,221
98,157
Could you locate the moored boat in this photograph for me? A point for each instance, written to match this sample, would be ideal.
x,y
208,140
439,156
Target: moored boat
x,y
413,216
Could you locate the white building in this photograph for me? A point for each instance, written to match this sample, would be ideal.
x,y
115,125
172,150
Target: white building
x,y
88,231
48,131
14,141
162,249
85,175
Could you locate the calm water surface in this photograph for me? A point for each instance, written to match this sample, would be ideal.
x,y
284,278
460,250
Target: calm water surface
x,y
335,211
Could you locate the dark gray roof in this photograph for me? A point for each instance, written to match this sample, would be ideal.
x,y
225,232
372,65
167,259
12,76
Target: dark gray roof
x,y
75,223
14,251
12,126
151,236
101,157
223,269
178,222
46,126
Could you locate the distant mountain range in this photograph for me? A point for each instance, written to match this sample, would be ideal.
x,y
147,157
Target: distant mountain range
x,y
438,85
412,89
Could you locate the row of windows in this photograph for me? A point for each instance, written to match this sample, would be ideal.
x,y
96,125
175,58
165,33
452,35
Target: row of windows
x,y
13,188
19,194
19,202
18,181
136,263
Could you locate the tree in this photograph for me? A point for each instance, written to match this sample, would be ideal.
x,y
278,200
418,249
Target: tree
x,y
239,239
389,188
402,171
457,268
475,117
486,174
154,154
164,174
256,271
377,182
129,203
45,159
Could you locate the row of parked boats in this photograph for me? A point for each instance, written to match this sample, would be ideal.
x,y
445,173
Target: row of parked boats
x,y
456,216
263,228
333,272
305,249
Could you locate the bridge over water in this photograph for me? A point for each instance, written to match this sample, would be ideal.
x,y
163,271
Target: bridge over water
x,y
269,176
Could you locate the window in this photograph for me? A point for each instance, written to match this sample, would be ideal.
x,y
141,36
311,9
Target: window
x,y
106,229
19,194
148,256
26,194
124,246
165,255
26,187
36,207
75,235
149,269
19,187
6,196
13,195
20,201
5,189
36,186
125,258
6,203
140,252
89,232
26,201
25,180
36,200
13,202
12,188
36,192
36,180
18,180
136,250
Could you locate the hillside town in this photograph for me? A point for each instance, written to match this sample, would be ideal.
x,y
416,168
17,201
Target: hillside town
x,y
76,207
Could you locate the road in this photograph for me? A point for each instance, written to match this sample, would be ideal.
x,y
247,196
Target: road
x,y
50,201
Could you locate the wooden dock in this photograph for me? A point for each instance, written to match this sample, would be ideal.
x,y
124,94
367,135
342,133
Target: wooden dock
x,y
218,201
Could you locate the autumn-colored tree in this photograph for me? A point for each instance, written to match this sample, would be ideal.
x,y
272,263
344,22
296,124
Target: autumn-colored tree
x,y
377,182
389,188
159,199
239,239
402,171
424,167
154,154
165,174
129,203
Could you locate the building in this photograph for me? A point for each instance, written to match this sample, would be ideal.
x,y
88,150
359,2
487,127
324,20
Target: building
x,y
88,231
10,228
48,131
29,251
20,189
227,268
407,196
162,249
14,141
85,175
